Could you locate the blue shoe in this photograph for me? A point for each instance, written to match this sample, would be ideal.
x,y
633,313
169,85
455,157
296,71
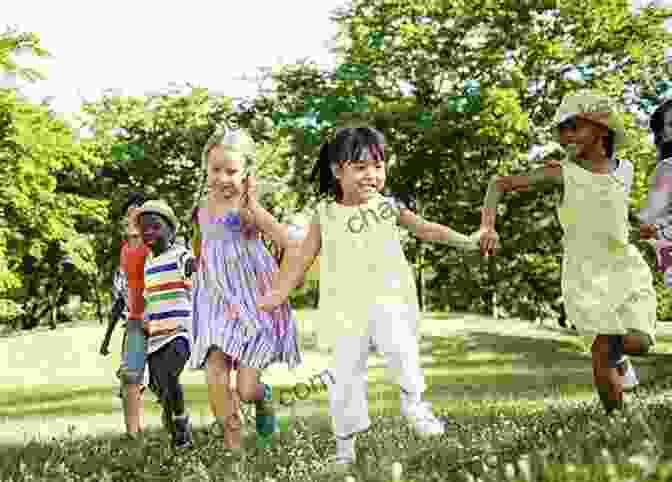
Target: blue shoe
x,y
266,420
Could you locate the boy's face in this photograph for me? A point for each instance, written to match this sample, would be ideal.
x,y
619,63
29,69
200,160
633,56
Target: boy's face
x,y
156,231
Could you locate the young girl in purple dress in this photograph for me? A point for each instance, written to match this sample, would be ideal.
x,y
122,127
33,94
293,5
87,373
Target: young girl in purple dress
x,y
233,269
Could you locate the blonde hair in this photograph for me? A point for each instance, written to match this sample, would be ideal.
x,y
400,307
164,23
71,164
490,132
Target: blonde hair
x,y
236,142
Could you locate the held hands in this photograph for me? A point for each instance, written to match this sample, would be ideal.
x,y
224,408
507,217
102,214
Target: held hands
x,y
512,183
272,300
134,229
249,201
251,188
647,231
489,241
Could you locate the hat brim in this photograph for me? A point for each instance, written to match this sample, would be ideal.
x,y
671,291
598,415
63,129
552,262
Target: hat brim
x,y
159,212
613,124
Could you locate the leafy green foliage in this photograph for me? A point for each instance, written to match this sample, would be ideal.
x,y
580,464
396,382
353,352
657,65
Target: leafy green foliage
x,y
418,56
37,219
11,42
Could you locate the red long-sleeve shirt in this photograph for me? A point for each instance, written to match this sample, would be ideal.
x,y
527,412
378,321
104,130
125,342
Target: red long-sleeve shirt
x,y
132,262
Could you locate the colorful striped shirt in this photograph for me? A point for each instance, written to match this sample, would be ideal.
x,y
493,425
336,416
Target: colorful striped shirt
x,y
168,306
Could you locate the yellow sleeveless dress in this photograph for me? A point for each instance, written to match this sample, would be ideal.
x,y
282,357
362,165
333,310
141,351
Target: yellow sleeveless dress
x,y
607,286
362,264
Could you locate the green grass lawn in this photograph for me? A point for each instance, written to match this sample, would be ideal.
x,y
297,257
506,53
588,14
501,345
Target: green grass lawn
x,y
506,395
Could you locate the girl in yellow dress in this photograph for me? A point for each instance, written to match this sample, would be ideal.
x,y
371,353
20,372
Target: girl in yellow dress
x,y
607,286
366,286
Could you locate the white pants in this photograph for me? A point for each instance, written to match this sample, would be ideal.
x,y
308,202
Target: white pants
x,y
389,328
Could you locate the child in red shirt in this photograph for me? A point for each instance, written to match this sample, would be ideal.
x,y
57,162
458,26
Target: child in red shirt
x,y
132,263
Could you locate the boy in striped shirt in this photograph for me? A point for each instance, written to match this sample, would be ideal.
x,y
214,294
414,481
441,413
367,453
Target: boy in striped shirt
x,y
167,315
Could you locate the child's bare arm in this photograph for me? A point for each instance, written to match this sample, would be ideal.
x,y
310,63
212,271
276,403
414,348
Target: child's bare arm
x,y
134,230
300,257
539,178
435,232
265,221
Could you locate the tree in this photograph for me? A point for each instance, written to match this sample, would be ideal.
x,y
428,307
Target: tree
x,y
38,223
13,42
409,68
154,144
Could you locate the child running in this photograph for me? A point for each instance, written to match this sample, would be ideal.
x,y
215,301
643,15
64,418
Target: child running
x,y
133,380
367,291
167,314
607,286
566,124
233,269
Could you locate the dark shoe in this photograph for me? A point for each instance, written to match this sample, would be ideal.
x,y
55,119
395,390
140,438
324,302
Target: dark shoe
x,y
167,420
183,435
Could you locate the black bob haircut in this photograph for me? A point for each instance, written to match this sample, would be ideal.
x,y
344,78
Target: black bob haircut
x,y
350,144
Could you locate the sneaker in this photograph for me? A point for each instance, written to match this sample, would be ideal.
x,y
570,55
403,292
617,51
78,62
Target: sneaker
x,y
420,415
266,420
345,456
630,380
183,435
339,465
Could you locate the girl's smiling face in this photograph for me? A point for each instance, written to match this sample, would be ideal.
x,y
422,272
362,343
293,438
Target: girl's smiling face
x,y
225,173
566,131
584,134
360,180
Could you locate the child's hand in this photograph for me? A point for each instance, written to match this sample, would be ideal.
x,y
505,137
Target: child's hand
x,y
134,228
251,188
512,183
272,300
489,242
647,231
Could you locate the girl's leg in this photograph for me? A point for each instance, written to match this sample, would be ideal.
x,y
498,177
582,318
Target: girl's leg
x,y
251,390
348,404
131,375
222,400
249,387
607,352
133,408
392,334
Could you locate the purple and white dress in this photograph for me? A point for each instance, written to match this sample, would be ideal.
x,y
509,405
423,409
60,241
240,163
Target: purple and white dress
x,y
235,268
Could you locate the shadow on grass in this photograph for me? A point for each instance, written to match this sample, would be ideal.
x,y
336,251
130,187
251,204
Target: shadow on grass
x,y
461,372
486,366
